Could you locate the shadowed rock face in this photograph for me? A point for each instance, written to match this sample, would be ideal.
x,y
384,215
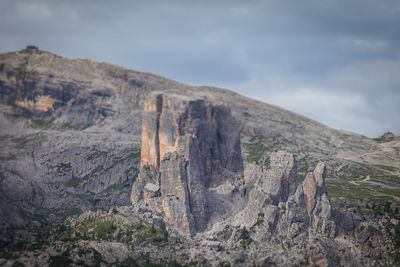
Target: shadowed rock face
x,y
191,149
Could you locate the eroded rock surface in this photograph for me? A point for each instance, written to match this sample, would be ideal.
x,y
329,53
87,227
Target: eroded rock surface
x,y
191,150
277,206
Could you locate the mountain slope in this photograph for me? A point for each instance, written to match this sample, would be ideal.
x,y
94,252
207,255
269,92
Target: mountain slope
x,y
70,137
90,97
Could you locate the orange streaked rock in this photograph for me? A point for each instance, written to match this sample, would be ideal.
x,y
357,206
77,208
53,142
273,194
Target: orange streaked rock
x,y
41,103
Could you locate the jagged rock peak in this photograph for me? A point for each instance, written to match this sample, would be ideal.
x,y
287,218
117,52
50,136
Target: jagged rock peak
x,y
191,150
291,210
315,193
317,201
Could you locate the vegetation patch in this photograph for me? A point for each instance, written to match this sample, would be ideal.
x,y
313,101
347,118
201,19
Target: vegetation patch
x,y
356,181
62,168
5,137
21,142
387,168
49,124
256,150
105,230
246,114
75,181
305,165
43,124
70,126
99,228
108,228
158,237
340,189
245,237
95,154
379,140
23,67
260,220
259,145
117,186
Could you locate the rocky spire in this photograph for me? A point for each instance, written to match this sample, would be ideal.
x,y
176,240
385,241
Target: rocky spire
x,y
188,147
317,201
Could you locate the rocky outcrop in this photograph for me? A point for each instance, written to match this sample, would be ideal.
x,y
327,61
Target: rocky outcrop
x,y
317,201
268,187
191,150
366,232
310,206
280,180
280,207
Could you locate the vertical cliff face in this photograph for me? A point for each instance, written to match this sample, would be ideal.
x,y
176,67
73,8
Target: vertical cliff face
x,y
191,151
150,150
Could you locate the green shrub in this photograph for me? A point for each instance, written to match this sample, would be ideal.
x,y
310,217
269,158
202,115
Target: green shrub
x,y
164,231
244,234
105,230
378,140
63,167
155,236
360,229
386,208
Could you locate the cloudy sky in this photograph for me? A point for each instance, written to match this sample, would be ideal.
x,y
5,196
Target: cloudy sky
x,y
336,61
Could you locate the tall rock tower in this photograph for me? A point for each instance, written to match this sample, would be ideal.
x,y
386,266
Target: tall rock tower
x,y
190,158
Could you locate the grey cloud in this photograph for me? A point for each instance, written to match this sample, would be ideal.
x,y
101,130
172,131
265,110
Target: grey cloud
x,y
272,50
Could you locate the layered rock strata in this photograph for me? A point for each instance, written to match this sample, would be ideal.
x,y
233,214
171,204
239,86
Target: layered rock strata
x,y
191,151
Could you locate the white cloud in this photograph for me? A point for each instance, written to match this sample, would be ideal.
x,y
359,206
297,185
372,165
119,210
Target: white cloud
x,y
362,44
370,44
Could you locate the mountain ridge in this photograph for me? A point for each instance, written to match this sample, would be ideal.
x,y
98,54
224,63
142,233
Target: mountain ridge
x,y
71,134
162,78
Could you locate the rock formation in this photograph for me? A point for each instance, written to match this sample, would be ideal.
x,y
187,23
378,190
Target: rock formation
x,y
190,157
280,180
288,210
191,151
317,201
